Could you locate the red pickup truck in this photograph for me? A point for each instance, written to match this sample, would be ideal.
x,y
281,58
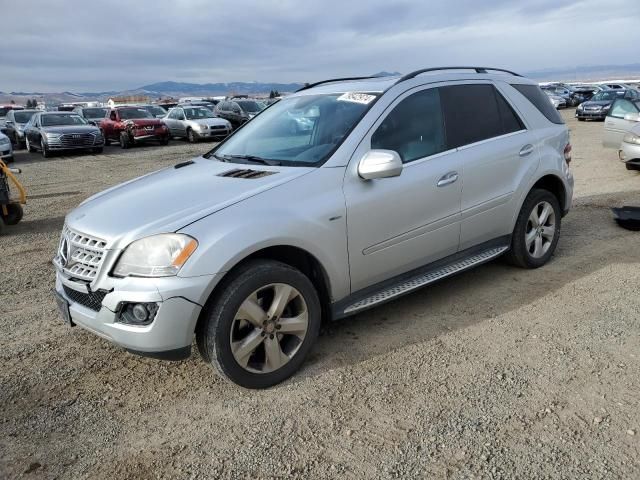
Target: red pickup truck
x,y
131,125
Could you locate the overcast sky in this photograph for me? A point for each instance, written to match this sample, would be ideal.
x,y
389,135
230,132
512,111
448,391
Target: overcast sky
x,y
113,45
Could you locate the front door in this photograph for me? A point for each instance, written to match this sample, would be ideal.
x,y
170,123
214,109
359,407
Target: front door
x,y
615,125
401,223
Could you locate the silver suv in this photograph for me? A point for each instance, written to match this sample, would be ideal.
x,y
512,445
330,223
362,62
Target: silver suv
x,y
398,183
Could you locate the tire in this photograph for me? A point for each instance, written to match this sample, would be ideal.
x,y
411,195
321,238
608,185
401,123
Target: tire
x,y
45,151
259,282
2,227
30,148
581,119
107,142
124,140
164,140
533,245
14,214
191,137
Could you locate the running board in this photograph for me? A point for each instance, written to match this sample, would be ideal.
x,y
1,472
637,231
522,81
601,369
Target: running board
x,y
423,279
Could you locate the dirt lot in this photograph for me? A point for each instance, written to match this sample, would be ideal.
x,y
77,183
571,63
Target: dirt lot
x,y
496,373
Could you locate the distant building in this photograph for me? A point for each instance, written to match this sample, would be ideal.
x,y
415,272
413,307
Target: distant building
x,y
127,100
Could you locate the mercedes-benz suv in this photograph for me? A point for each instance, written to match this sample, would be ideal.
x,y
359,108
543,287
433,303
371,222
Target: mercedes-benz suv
x,y
399,182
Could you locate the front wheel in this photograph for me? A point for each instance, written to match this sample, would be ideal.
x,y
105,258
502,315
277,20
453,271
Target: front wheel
x,y
259,328
124,140
30,149
45,150
537,230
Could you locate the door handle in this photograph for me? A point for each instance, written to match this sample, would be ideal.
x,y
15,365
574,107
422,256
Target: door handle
x,y
526,150
447,179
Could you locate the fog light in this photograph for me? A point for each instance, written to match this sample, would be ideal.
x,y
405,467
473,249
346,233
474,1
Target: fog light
x,y
137,313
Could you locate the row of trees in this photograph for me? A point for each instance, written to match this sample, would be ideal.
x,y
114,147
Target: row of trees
x,y
274,94
33,103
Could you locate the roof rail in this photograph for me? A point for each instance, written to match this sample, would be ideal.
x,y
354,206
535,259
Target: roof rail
x,y
346,79
411,75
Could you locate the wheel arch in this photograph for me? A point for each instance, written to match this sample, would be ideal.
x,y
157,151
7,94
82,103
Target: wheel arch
x,y
295,257
555,185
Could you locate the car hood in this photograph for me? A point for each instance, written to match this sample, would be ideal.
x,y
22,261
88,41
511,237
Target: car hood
x,y
144,122
170,199
69,129
209,121
599,103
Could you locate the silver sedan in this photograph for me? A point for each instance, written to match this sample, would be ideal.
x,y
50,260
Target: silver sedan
x,y
196,123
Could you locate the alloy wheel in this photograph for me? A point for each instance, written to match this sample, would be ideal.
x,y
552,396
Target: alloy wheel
x,y
269,328
541,229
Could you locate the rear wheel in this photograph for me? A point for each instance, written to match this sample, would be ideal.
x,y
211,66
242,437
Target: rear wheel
x,y
14,214
259,328
537,230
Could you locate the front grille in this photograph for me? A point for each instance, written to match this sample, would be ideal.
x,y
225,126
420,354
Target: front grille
x,y
218,127
92,300
77,140
80,255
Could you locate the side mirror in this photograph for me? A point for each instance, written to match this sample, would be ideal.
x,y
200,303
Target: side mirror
x,y
380,164
632,117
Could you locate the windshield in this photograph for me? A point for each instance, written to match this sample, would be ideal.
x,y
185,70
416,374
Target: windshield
x,y
23,117
195,113
52,120
94,112
605,96
250,106
302,130
156,111
134,113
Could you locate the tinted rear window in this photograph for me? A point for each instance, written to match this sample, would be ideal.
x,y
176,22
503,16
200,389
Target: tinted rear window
x,y
540,101
471,114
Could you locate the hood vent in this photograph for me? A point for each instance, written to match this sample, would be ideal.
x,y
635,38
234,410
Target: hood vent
x,y
246,173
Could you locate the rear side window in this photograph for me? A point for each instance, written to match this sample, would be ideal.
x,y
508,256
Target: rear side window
x,y
471,114
540,101
414,128
510,120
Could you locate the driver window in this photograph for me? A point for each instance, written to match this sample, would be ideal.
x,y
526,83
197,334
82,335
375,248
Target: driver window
x,y
414,128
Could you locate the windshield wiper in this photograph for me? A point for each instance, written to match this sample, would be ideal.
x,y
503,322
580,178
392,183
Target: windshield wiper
x,y
255,159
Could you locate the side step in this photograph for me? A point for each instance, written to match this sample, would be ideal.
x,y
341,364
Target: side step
x,y
410,284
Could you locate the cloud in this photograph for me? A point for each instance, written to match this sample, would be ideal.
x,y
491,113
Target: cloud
x,y
88,46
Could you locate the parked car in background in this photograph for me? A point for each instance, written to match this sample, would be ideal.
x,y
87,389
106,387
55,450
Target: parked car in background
x,y
211,105
621,118
132,125
238,111
567,95
6,149
4,109
557,101
629,149
615,86
57,131
251,245
15,123
196,123
156,110
599,105
93,115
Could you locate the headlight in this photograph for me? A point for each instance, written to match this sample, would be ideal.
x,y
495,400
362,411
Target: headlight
x,y
606,107
53,135
202,126
580,107
156,256
631,138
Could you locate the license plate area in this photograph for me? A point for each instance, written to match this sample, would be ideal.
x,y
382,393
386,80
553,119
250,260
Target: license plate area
x,y
63,306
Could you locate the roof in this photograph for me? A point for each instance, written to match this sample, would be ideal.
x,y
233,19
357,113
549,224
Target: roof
x,y
419,77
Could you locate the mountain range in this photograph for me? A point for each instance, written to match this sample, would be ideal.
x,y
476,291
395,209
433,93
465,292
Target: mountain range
x,y
184,89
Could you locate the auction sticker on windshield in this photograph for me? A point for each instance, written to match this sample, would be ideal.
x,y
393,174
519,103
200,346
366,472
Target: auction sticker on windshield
x,y
355,97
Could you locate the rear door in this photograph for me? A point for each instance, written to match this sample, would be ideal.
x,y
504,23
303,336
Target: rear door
x,y
496,152
616,125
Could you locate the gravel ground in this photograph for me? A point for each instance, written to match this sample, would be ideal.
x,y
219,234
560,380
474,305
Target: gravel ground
x,y
496,373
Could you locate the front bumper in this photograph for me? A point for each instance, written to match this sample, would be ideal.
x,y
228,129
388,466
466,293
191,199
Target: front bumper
x,y
213,133
170,331
629,153
6,151
594,115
